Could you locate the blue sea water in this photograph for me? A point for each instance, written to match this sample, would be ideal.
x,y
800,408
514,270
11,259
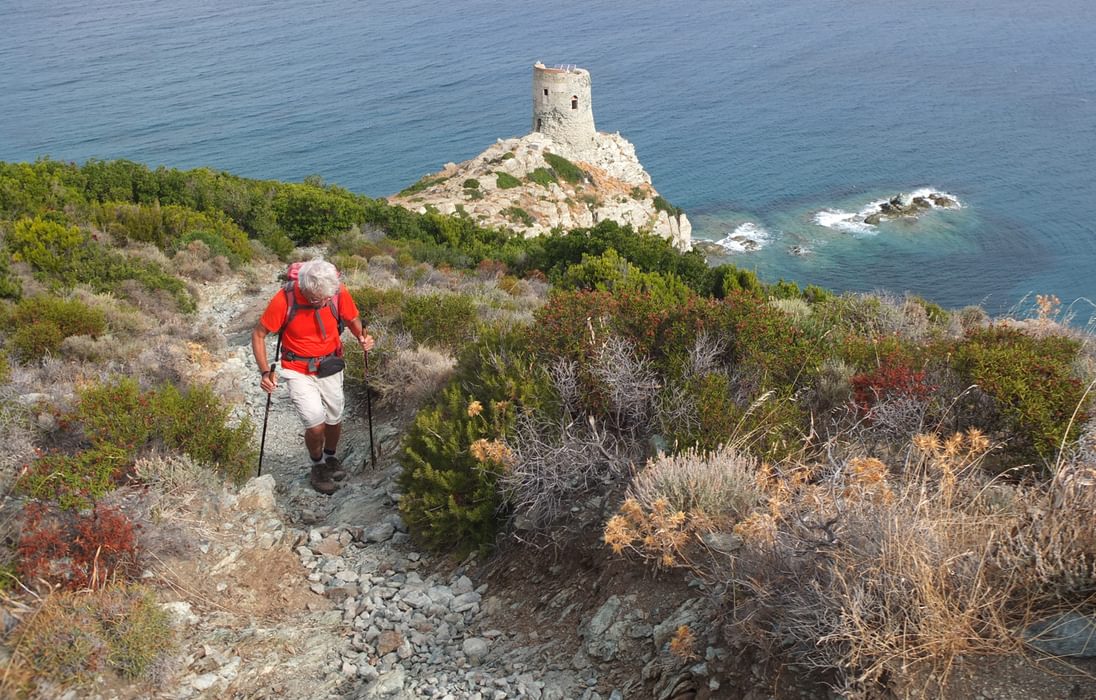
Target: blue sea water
x,y
752,116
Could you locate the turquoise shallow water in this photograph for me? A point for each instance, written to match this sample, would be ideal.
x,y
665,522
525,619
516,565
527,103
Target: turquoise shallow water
x,y
744,112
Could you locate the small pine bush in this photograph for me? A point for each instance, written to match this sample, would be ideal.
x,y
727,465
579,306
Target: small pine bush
x,y
32,342
450,498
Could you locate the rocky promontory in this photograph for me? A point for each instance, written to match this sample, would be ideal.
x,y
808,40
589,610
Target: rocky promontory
x,y
535,184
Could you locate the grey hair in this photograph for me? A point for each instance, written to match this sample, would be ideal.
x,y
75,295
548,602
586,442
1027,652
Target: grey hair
x,y
318,278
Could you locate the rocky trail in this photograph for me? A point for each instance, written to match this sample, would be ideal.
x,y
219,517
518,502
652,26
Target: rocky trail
x,y
283,592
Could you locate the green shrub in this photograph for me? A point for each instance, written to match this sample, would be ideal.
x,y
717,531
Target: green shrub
x,y
506,181
425,182
43,322
10,286
519,215
71,316
662,205
278,243
120,422
611,273
441,320
5,368
309,214
451,497
471,184
565,169
379,304
647,252
65,256
34,341
542,176
1031,380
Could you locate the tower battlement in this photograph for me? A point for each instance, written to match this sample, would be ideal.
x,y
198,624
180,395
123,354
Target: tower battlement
x,y
562,106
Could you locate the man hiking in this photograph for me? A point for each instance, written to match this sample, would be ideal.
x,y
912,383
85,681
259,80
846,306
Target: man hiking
x,y
310,314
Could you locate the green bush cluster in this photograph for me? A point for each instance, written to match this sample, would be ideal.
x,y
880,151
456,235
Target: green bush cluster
x,y
662,205
565,169
441,320
1033,386
275,213
41,323
65,256
519,215
171,227
423,183
451,497
506,181
542,176
120,422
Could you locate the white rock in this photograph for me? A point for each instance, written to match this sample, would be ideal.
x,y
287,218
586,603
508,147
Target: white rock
x,y
205,681
180,612
475,648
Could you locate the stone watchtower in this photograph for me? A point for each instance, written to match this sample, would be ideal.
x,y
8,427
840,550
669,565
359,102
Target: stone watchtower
x,y
562,107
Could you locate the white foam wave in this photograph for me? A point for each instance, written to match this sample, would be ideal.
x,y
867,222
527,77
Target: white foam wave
x,y
866,220
840,220
746,237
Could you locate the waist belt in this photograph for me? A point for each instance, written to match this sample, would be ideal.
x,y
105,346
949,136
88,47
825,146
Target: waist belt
x,y
313,362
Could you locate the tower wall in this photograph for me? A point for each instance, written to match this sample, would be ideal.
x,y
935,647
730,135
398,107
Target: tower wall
x,y
562,106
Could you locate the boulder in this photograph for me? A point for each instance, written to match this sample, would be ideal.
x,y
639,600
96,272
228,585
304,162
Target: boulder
x,y
1067,634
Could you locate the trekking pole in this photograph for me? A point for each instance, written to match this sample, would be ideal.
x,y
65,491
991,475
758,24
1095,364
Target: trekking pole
x,y
369,412
266,416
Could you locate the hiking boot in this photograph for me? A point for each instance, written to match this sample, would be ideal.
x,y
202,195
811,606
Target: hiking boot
x,y
334,468
321,479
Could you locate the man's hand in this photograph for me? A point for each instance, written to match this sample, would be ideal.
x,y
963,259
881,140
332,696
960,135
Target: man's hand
x,y
269,382
366,342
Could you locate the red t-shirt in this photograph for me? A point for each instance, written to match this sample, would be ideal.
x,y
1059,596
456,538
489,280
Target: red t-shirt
x,y
302,336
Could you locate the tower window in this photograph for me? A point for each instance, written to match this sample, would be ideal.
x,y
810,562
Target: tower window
x,y
574,101
539,124
546,92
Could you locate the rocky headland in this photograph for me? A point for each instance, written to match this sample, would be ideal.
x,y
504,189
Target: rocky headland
x,y
535,184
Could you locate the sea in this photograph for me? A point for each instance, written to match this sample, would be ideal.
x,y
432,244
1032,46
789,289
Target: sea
x,y
777,126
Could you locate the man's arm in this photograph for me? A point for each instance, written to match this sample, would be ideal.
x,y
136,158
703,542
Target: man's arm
x,y
360,334
269,378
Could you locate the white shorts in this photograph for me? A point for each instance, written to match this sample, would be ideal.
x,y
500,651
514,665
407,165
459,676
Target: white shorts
x,y
316,400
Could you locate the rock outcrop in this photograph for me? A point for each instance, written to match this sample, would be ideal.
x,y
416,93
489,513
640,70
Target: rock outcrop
x,y
523,184
898,207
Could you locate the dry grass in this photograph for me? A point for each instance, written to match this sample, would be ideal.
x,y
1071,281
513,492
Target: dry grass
x,y
721,486
875,568
73,637
411,375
